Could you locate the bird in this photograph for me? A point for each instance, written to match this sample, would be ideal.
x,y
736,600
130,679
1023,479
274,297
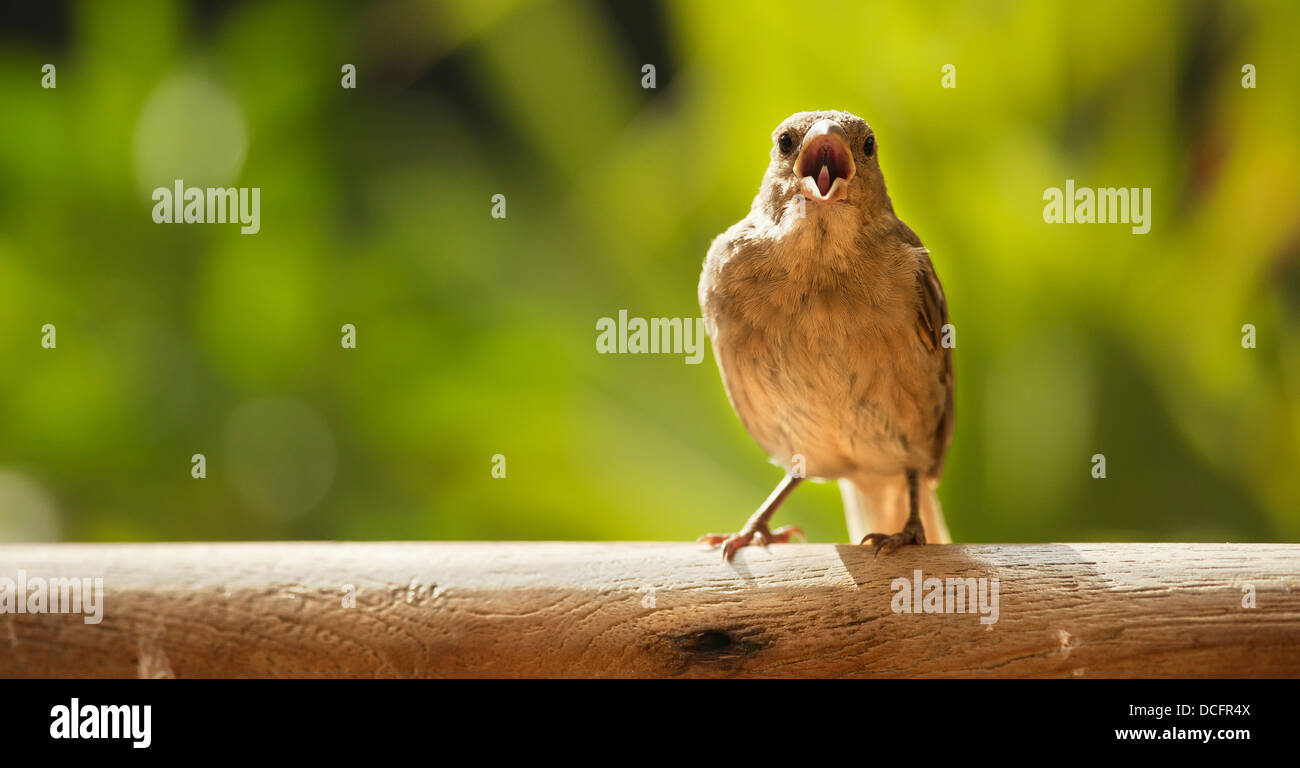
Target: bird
x,y
830,330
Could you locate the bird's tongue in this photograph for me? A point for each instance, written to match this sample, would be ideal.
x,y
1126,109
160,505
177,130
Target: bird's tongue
x,y
824,181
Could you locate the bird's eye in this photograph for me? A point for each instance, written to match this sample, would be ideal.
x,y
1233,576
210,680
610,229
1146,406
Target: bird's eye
x,y
869,146
785,143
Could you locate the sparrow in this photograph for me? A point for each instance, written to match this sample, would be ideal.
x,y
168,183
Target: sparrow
x,y
828,325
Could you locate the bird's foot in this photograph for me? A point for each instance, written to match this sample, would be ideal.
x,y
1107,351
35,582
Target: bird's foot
x,y
750,534
913,533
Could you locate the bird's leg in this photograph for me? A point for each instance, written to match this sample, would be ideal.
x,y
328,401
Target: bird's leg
x,y
913,531
756,530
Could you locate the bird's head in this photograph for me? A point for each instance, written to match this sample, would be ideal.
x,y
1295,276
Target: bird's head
x,y
822,161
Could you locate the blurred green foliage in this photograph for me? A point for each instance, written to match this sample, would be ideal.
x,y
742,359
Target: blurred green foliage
x,y
476,336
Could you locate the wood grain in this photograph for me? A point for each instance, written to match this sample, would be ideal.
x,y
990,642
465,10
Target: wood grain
x,y
656,610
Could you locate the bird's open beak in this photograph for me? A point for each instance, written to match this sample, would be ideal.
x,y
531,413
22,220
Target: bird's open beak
x,y
825,164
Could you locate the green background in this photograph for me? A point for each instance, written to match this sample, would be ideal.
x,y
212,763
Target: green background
x,y
477,336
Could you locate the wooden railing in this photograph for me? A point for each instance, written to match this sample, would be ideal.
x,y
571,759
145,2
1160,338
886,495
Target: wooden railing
x,y
657,610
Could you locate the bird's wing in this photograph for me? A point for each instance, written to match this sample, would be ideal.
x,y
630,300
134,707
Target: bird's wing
x,y
931,316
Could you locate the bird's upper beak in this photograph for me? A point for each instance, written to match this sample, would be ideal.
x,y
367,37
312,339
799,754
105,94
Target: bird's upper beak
x,y
825,164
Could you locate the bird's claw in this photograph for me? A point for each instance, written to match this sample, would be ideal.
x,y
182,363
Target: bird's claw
x,y
888,543
758,534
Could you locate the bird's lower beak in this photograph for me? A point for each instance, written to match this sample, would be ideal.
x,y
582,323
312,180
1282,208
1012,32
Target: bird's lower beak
x,y
825,164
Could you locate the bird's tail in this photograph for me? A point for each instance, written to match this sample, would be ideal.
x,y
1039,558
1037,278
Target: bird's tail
x,y
875,504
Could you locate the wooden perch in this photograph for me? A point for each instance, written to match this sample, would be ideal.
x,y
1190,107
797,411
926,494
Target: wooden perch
x,y
603,609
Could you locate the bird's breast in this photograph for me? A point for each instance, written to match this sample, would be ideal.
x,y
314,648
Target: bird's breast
x,y
827,370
